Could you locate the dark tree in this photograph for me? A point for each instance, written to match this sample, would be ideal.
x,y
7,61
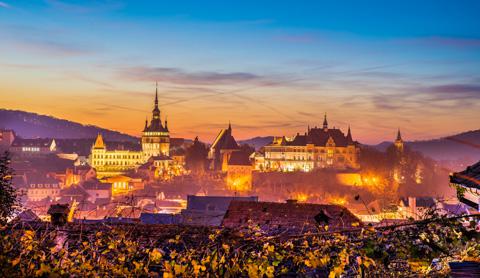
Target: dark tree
x,y
8,194
196,157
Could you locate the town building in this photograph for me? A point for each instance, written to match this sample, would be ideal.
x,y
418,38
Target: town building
x,y
318,148
33,147
209,210
239,172
222,148
155,142
40,187
290,216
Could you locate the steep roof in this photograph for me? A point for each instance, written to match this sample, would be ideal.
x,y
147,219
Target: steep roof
x,y
38,142
239,158
290,216
469,177
225,141
99,144
319,137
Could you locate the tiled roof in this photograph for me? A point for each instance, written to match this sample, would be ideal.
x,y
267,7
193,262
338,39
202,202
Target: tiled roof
x,y
469,177
96,185
290,216
35,178
225,141
319,137
219,203
239,158
39,142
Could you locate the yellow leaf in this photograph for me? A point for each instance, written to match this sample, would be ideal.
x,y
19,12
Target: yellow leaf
x,y
16,261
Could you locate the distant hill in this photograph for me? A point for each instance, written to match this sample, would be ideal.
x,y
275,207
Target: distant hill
x,y
463,146
257,142
31,125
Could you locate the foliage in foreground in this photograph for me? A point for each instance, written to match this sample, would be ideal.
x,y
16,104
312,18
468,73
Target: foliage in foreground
x,y
224,253
8,194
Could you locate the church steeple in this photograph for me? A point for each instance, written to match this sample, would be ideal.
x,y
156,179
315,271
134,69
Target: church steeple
x,y
325,123
399,141
156,111
99,144
399,136
349,136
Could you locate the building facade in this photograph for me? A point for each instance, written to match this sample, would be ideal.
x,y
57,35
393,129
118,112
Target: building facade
x,y
317,148
222,148
155,142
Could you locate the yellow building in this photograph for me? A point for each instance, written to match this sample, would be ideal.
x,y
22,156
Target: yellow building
x,y
239,172
317,148
155,141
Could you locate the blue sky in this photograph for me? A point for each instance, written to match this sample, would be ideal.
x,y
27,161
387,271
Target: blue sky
x,y
271,67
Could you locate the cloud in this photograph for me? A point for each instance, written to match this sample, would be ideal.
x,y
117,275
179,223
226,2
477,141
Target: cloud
x,y
305,38
4,5
179,76
445,41
51,47
429,97
97,6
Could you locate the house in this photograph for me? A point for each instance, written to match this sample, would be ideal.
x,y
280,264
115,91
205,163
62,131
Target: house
x,y
97,191
239,172
40,187
123,184
221,149
318,148
26,216
209,210
160,218
290,216
33,147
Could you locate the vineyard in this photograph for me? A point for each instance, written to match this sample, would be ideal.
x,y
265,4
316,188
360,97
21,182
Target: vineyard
x,y
81,250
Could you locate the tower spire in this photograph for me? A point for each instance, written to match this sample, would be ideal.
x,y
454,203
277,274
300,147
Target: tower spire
x,y
156,111
229,126
166,123
349,135
156,94
325,123
399,136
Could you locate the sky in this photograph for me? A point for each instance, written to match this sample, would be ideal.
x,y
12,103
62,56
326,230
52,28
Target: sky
x,y
268,67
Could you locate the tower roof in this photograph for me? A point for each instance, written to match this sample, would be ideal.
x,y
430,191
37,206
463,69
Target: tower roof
x,y
349,136
325,123
399,136
99,144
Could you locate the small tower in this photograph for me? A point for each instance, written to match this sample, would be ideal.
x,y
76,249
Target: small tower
x,y
349,137
325,123
155,136
97,155
399,144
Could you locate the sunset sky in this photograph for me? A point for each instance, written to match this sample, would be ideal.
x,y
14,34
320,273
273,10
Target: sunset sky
x,y
270,67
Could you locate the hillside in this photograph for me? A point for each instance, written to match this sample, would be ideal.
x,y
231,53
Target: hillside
x,y
464,146
32,125
257,142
